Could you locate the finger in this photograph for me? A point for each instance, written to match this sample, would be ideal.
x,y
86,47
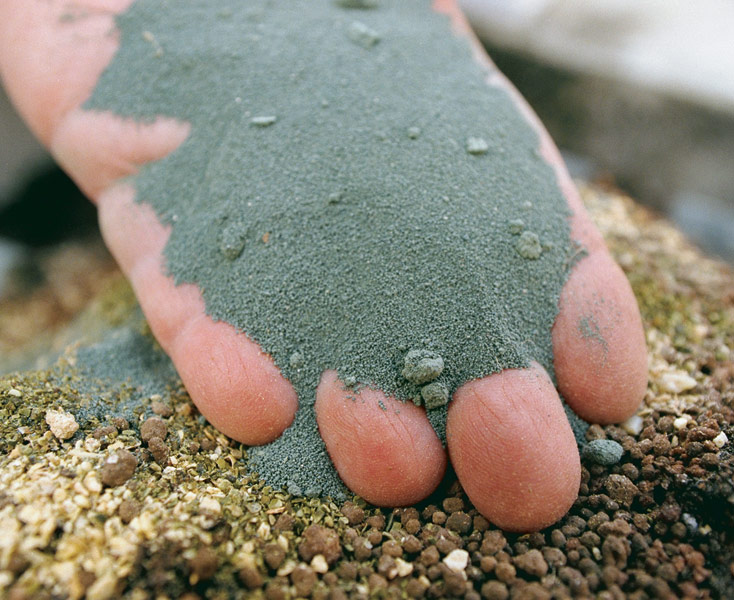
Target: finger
x,y
602,382
598,342
234,384
513,449
383,449
52,54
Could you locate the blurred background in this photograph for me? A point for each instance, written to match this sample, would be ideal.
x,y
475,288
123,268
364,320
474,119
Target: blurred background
x,y
636,94
640,94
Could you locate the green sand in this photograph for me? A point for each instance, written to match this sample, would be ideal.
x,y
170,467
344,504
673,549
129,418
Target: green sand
x,y
331,201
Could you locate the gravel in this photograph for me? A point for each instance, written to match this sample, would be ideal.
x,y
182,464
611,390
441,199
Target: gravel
x,y
655,524
118,468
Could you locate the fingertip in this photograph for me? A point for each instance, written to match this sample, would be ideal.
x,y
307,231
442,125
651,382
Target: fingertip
x,y
383,449
513,449
600,355
236,386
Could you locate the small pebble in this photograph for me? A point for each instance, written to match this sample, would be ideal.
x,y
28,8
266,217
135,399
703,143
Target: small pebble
x,y
273,555
495,590
404,568
354,513
392,548
603,452
493,542
438,517
204,564
104,432
480,523
505,572
153,428
621,489
633,425
319,564
363,35
676,382
411,544
681,422
284,523
452,504
414,132
159,450
120,422
264,121
207,445
320,540
303,578
348,571
210,506
128,510
118,468
456,560
161,409
429,556
61,423
335,198
446,545
532,562
459,521
435,395
376,521
690,522
476,146
720,440
251,577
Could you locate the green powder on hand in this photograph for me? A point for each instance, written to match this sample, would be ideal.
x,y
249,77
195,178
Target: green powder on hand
x,y
328,235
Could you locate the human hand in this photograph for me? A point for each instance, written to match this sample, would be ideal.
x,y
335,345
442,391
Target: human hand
x,y
507,435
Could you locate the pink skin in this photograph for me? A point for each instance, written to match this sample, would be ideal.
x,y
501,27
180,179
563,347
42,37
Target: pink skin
x,y
508,439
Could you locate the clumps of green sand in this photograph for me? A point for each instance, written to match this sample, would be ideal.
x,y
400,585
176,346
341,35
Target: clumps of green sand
x,y
516,226
422,366
232,240
434,395
528,246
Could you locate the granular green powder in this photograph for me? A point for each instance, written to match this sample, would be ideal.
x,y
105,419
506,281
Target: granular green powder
x,y
328,204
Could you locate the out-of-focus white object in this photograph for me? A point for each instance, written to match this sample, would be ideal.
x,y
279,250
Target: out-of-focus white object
x,y
678,47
